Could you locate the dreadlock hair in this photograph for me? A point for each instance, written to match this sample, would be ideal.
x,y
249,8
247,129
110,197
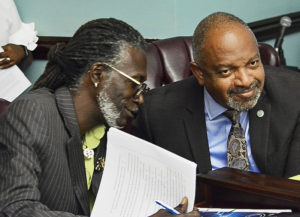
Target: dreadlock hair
x,y
100,40
213,21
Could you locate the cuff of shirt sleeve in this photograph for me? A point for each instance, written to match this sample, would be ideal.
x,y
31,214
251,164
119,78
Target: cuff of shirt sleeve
x,y
25,36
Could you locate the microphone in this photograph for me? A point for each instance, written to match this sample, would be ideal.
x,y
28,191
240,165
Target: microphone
x,y
285,22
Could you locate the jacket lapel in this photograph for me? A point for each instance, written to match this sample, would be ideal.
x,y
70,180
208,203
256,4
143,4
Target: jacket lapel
x,y
194,124
74,148
259,126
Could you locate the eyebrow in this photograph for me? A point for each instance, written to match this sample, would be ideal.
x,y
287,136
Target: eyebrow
x,y
233,66
140,78
225,66
254,57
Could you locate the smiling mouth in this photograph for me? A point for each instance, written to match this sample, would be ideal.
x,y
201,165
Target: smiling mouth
x,y
246,94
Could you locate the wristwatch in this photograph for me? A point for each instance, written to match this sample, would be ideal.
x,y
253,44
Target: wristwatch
x,y
25,50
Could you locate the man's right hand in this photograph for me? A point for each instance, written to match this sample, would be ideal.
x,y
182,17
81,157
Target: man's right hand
x,y
11,55
182,207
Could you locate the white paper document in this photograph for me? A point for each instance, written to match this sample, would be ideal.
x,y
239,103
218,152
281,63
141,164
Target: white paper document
x,y
13,82
137,173
219,212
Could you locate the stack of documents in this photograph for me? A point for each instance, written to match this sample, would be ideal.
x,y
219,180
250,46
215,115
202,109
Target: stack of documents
x,y
13,82
137,173
219,212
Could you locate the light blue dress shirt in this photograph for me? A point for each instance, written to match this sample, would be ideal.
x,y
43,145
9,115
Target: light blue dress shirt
x,y
218,128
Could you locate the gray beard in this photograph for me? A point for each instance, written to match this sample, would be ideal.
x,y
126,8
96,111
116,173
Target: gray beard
x,y
108,109
243,106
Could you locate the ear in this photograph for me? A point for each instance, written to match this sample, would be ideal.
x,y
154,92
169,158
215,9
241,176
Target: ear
x,y
197,72
97,74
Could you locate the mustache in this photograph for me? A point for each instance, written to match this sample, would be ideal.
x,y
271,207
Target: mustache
x,y
238,90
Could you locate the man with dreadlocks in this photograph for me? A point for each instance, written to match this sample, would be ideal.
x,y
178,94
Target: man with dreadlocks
x,y
51,161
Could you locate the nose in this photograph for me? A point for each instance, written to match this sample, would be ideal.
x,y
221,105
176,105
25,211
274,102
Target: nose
x,y
242,78
139,99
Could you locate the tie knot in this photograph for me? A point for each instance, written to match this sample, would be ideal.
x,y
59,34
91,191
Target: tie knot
x,y
233,115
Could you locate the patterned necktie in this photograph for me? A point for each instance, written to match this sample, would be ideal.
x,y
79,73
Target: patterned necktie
x,y
236,145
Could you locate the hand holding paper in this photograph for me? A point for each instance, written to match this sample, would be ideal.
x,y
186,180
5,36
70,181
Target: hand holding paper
x,y
180,210
12,82
137,173
12,55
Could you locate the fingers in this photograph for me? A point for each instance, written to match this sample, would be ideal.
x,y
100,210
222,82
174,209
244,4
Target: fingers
x,y
182,207
3,54
12,55
161,213
5,63
194,213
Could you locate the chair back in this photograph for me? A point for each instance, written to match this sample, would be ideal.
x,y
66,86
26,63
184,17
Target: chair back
x,y
168,60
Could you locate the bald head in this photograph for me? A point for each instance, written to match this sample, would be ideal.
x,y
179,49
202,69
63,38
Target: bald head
x,y
219,21
227,61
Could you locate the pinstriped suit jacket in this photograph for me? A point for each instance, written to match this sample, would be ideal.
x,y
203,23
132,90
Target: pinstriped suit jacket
x,y
41,162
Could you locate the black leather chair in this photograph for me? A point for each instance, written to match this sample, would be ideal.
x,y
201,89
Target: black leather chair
x,y
168,59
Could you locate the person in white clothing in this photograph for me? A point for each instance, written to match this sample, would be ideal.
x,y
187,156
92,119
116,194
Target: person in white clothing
x,y
17,39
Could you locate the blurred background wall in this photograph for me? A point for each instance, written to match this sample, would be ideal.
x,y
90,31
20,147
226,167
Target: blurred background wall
x,y
154,18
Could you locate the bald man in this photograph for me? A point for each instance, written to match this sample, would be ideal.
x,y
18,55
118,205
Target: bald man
x,y
191,117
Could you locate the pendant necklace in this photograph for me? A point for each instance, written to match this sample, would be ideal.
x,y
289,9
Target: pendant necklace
x,y
88,153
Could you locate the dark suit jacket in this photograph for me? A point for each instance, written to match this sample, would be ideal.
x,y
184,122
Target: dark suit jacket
x,y
173,117
41,158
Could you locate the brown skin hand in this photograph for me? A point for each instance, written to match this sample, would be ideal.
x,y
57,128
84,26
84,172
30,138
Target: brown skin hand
x,y
182,207
15,52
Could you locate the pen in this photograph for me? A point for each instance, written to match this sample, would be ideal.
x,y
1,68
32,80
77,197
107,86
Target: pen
x,y
168,208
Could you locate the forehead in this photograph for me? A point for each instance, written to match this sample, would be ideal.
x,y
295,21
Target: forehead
x,y
229,44
133,62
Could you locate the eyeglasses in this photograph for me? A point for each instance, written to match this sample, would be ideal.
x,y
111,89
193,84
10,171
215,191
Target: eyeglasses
x,y
142,88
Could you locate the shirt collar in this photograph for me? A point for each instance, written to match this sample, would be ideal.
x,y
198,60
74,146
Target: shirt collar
x,y
212,108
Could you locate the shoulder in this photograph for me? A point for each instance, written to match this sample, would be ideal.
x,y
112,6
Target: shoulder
x,y
282,80
179,90
172,98
282,88
30,113
281,73
34,102
39,96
